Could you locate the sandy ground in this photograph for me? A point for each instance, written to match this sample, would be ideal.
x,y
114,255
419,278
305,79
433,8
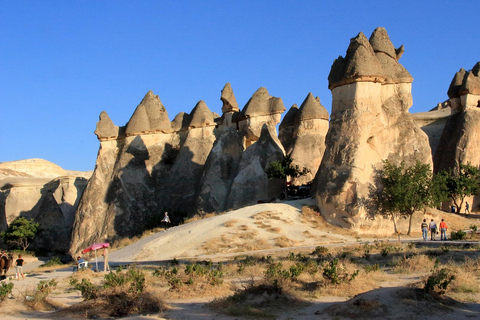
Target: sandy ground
x,y
260,229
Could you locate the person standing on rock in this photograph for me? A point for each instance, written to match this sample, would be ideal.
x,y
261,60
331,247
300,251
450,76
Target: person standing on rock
x,y
443,230
424,229
166,219
467,208
19,267
433,230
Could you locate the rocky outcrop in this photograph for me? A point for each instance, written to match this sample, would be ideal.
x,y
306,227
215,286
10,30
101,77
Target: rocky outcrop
x,y
287,126
220,170
432,123
262,108
369,122
251,183
308,143
35,195
150,116
459,141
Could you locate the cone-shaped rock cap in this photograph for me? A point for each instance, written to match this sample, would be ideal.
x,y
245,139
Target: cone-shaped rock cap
x,y
201,116
311,108
359,63
471,84
228,98
380,42
373,60
105,127
149,116
456,84
262,104
181,122
388,56
289,118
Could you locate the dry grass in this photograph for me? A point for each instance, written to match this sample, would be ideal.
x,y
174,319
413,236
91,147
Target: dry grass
x,y
417,263
230,223
284,242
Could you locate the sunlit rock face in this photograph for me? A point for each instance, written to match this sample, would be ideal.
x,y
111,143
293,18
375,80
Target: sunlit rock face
x,y
371,95
459,141
41,190
307,146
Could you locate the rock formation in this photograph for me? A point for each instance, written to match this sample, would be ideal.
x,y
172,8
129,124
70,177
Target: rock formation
x,y
41,190
371,95
308,138
459,141
287,126
251,182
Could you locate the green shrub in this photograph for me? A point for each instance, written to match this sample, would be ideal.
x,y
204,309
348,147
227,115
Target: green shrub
x,y
336,275
88,290
459,235
384,252
371,268
46,287
53,262
320,251
134,277
5,290
439,280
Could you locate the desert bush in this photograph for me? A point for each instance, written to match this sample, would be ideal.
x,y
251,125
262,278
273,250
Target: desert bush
x,y
37,298
5,290
371,268
336,273
87,289
44,287
415,263
439,280
459,235
53,262
134,278
320,251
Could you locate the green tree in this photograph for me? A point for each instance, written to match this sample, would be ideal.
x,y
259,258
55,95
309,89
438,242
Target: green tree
x,y
461,183
404,190
20,232
285,170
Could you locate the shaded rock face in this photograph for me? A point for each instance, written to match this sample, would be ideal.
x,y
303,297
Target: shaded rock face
x,y
220,170
51,202
251,181
459,141
308,138
287,126
369,122
433,123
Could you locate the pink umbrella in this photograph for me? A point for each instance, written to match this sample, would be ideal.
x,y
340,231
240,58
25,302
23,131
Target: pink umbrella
x,y
95,247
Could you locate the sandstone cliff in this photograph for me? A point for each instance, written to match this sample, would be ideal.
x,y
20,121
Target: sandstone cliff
x,y
369,122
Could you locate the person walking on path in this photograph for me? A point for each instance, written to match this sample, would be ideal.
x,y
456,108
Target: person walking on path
x,y
424,229
443,230
433,230
19,267
467,208
166,219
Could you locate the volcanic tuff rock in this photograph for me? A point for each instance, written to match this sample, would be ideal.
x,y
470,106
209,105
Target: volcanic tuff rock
x,y
220,169
310,127
285,130
251,182
369,122
459,141
262,108
28,190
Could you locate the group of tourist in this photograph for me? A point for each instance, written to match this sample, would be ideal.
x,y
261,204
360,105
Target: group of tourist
x,y
18,265
432,226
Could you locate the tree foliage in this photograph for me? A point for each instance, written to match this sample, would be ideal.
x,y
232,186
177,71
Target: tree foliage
x,y
460,183
20,232
285,170
404,190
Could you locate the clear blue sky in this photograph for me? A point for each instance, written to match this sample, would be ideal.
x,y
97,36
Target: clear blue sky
x,y
63,62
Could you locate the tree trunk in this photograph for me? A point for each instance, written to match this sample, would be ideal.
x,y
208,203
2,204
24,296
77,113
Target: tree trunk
x,y
410,224
394,224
